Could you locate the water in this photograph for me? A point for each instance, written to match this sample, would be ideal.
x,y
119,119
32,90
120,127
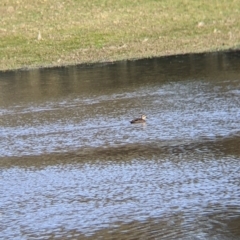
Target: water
x,y
73,167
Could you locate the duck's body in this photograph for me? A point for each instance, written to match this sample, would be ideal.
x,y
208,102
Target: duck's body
x,y
142,119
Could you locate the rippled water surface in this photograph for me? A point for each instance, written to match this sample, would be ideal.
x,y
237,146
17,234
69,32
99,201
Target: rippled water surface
x,y
73,167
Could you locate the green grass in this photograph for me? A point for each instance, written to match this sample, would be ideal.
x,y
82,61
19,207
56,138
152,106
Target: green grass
x,y
81,31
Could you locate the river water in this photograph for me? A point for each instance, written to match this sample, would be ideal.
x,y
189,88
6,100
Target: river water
x,y
73,167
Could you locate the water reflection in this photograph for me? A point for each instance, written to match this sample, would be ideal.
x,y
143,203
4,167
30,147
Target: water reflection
x,y
40,85
72,166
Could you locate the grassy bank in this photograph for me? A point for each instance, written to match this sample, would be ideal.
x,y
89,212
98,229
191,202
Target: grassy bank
x,y
45,33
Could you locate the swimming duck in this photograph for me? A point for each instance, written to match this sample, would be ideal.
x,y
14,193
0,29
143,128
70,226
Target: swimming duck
x,y
139,120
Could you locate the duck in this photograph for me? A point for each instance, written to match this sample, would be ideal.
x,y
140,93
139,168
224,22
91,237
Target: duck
x,y
142,119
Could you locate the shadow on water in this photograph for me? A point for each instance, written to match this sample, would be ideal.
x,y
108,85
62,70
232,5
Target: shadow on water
x,y
73,167
41,84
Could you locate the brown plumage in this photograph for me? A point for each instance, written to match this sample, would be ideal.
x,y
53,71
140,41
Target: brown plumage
x,y
142,119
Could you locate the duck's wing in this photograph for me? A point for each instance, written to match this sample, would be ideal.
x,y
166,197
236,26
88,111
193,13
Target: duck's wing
x,y
136,120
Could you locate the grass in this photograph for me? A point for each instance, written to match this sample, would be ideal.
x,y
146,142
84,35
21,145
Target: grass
x,y
48,33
